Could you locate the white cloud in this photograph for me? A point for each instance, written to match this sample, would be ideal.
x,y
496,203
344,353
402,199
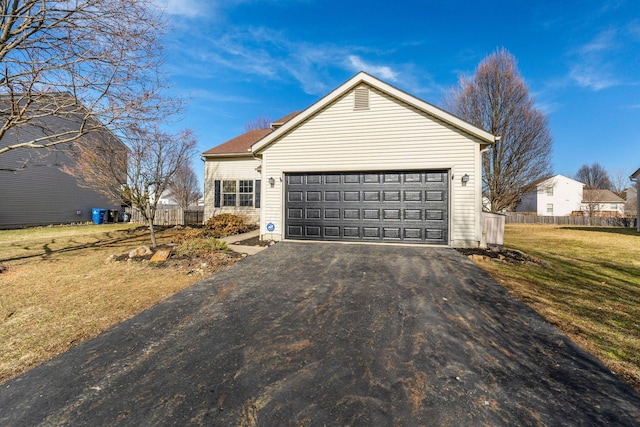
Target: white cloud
x,y
183,8
589,76
271,55
596,64
602,42
381,71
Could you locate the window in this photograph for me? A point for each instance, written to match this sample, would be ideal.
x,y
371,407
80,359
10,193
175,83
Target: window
x,y
246,192
550,208
229,193
614,207
234,193
549,191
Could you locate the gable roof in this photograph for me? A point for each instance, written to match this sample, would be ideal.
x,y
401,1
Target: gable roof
x,y
284,119
386,88
635,175
240,145
600,196
543,182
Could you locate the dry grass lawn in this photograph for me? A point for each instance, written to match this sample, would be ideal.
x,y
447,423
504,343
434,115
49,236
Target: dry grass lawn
x,y
59,290
588,285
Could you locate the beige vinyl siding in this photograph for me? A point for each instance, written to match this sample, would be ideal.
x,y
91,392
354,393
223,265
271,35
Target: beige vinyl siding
x,y
390,135
233,168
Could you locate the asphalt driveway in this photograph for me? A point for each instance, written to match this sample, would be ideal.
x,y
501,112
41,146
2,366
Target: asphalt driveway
x,y
328,334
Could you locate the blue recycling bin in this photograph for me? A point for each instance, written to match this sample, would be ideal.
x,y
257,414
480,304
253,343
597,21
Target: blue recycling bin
x,y
97,215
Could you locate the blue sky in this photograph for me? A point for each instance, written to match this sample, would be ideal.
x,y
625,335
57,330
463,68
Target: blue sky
x,y
237,60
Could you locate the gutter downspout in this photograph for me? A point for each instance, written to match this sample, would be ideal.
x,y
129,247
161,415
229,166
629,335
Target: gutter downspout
x,y
637,181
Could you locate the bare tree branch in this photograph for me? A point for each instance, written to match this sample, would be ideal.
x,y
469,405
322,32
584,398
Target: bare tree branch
x,y
594,177
184,188
138,175
620,182
258,123
96,60
496,99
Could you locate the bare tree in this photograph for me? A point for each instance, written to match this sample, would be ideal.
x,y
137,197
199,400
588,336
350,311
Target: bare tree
x,y
620,182
184,188
594,177
96,62
138,175
497,99
258,123
591,201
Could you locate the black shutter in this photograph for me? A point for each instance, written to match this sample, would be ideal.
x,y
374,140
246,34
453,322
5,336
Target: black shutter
x,y
216,197
258,189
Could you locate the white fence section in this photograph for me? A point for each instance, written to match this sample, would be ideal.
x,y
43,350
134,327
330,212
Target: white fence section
x,y
492,229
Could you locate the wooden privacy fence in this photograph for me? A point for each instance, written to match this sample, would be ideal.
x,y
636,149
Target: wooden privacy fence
x,y
170,216
584,221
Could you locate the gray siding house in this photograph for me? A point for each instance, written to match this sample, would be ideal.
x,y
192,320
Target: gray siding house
x,y
34,189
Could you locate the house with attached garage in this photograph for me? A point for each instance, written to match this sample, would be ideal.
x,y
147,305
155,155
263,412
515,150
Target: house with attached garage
x,y
366,163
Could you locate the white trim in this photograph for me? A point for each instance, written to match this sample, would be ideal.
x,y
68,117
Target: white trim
x,y
363,77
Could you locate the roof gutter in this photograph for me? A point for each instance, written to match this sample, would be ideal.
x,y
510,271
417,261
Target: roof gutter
x,y
485,147
225,155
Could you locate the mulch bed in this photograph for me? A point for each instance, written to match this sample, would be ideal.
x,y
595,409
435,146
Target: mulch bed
x,y
512,256
254,241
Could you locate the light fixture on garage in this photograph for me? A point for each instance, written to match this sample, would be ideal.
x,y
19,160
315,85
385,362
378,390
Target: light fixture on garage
x,y
272,182
465,179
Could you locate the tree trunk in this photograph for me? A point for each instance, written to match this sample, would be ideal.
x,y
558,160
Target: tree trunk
x,y
153,234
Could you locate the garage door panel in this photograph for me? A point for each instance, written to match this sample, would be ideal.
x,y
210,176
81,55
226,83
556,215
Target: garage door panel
x,y
371,206
332,213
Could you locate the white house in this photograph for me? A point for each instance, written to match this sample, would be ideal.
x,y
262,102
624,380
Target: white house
x,y
555,196
368,162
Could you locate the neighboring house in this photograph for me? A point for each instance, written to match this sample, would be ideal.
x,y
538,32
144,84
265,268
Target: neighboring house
x,y
368,162
555,196
166,199
34,190
602,203
636,178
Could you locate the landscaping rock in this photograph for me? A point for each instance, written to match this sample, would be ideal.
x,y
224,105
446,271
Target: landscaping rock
x,y
140,251
161,255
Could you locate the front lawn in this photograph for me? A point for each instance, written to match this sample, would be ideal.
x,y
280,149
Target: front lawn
x,y
60,286
587,284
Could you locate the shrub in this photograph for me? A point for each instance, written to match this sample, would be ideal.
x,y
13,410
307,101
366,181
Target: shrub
x,y
189,234
200,246
226,225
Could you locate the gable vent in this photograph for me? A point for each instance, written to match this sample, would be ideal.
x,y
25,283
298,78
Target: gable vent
x,y
361,98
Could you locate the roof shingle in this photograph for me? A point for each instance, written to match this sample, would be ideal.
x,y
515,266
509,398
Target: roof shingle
x,y
600,196
240,144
